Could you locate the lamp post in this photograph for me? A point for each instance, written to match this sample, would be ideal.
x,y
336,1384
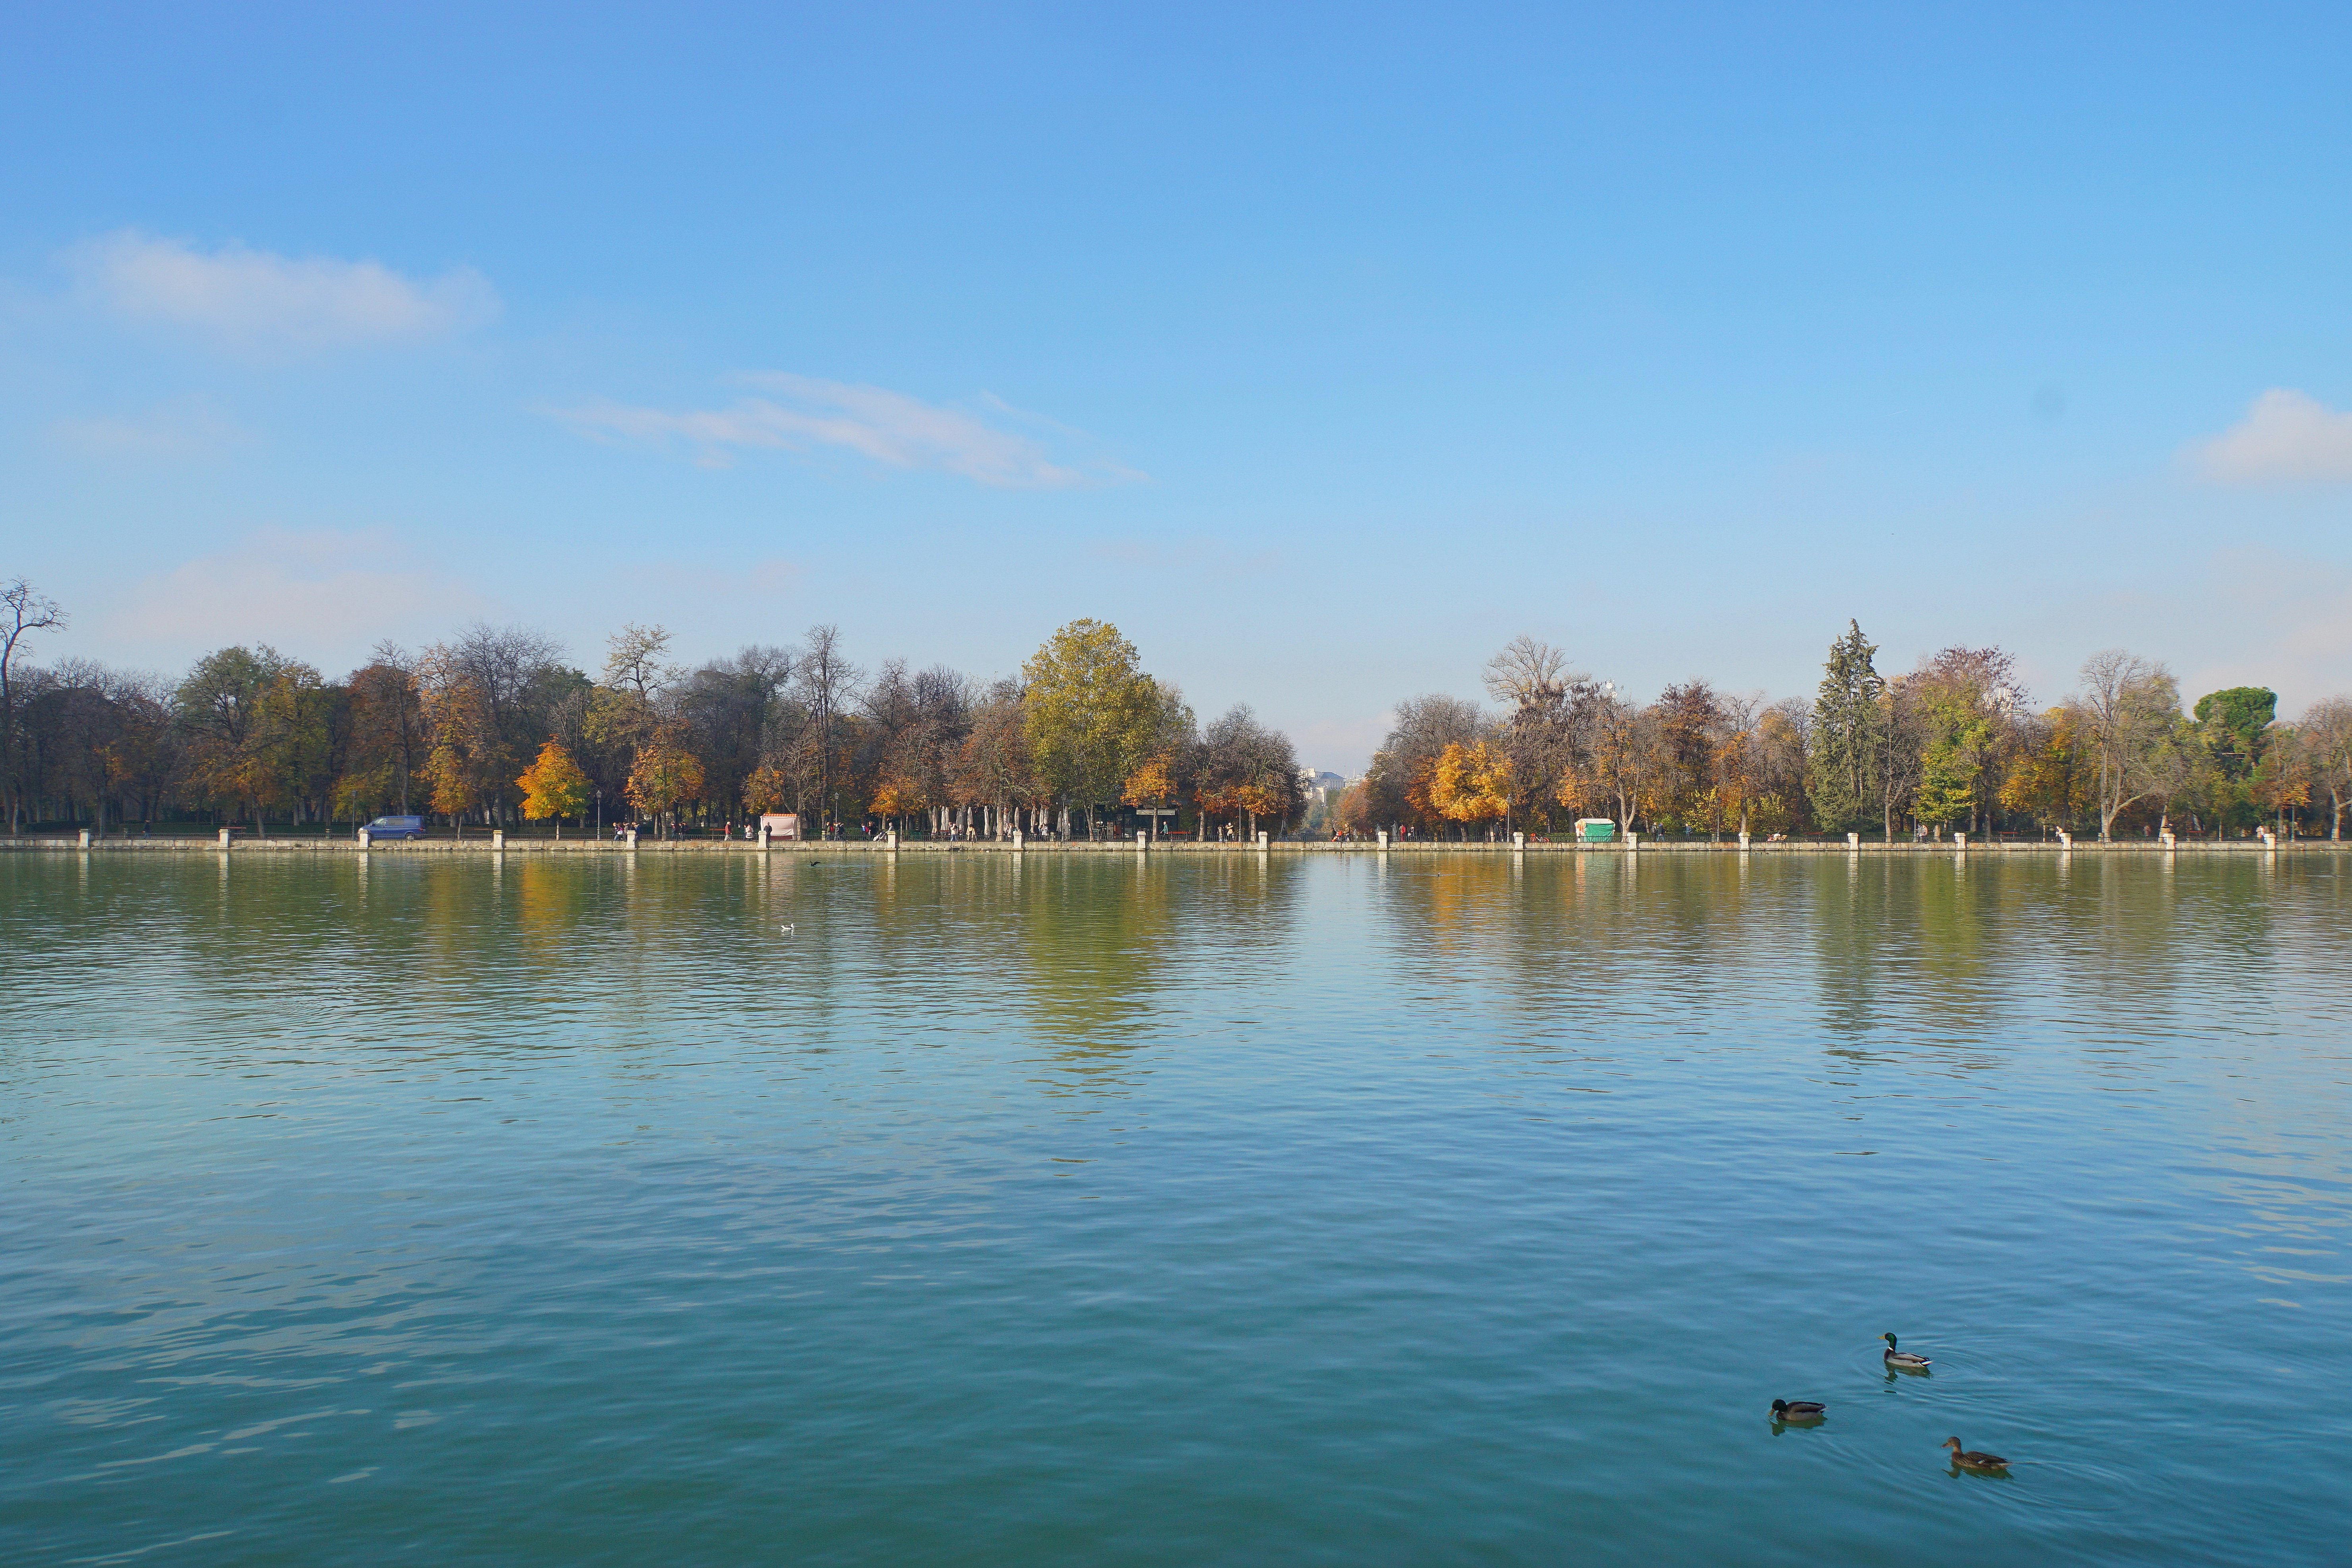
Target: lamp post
x,y
600,814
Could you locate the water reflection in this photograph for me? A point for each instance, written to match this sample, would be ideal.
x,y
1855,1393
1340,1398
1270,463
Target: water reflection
x,y
1368,1204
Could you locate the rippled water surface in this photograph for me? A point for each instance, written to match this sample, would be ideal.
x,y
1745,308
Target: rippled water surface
x,y
1093,1211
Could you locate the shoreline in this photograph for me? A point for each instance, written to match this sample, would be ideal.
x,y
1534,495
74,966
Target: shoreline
x,y
484,846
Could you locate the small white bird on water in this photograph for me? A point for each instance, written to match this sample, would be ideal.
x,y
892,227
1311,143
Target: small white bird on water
x,y
785,929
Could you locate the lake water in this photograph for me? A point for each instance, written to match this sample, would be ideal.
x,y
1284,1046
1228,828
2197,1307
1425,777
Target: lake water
x,y
1085,1210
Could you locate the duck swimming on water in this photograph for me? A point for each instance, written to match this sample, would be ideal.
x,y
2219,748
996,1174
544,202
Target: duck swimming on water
x,y
1791,1411
1904,1359
1970,1459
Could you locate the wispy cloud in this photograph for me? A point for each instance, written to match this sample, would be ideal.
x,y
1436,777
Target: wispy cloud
x,y
2286,435
257,302
804,413
189,426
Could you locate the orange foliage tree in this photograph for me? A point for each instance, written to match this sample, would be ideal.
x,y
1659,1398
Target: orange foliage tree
x,y
1150,785
897,796
666,776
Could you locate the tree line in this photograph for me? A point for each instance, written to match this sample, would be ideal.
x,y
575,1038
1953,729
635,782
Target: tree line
x,y
1953,745
495,727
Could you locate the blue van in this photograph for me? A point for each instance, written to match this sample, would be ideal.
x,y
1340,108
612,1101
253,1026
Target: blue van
x,y
396,828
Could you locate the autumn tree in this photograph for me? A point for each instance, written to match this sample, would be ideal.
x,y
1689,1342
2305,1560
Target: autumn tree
x,y
296,751
1783,743
1151,784
1738,764
1091,713
1165,757
1395,788
916,723
387,733
1538,739
993,768
553,785
636,661
1472,784
1689,721
1959,734
1952,724
1618,759
513,674
136,755
665,776
1243,768
766,788
220,706
2049,774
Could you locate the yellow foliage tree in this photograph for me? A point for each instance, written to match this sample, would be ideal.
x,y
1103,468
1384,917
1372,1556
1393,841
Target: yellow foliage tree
x,y
765,789
897,796
553,787
1470,784
2052,781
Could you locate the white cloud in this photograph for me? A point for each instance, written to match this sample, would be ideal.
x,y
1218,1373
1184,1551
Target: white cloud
x,y
888,426
254,302
182,427
2286,435
316,589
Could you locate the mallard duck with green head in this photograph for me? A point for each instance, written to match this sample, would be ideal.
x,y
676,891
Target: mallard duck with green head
x,y
1903,1360
1797,1412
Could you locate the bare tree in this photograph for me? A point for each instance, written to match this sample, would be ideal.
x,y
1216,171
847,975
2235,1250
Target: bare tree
x,y
502,666
1424,727
2324,738
633,660
1538,735
1528,673
2126,710
827,683
1242,767
26,610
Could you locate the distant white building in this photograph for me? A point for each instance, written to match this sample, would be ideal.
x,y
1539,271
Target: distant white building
x,y
1322,790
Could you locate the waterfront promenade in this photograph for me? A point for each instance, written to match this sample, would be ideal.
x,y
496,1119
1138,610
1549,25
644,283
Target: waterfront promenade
x,y
486,844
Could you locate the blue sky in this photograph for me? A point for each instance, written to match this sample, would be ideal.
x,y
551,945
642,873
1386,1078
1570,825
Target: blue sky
x,y
1324,349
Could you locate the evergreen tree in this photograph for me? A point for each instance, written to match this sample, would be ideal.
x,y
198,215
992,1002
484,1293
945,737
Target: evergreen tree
x,y
1849,729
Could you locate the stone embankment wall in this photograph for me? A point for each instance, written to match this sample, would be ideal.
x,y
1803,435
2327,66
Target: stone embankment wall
x,y
483,846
